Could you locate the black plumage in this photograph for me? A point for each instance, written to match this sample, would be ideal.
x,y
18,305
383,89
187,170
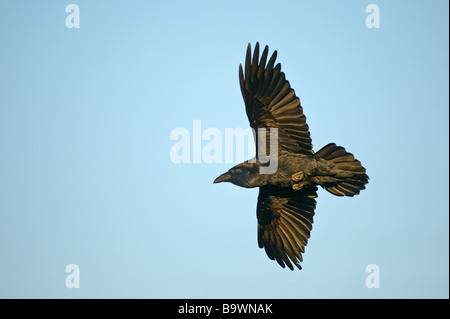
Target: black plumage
x,y
286,200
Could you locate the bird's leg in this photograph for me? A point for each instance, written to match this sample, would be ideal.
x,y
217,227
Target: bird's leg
x,y
297,177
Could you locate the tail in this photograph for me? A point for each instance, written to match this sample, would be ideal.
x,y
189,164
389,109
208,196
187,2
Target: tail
x,y
349,176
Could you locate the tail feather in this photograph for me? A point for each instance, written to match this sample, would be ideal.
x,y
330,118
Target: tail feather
x,y
350,176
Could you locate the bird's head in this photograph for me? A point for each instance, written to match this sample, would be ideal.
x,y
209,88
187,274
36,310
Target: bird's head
x,y
245,174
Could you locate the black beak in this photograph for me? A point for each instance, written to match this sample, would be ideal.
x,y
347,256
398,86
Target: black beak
x,y
225,177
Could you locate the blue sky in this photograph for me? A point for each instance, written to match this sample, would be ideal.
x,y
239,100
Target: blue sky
x,y
86,176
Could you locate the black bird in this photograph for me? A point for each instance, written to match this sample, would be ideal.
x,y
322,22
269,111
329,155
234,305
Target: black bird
x,y
286,200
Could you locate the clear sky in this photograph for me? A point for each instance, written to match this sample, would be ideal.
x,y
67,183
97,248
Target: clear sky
x,y
86,176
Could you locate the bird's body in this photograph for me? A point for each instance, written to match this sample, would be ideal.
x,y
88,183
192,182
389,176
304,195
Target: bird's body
x,y
315,170
286,200
290,164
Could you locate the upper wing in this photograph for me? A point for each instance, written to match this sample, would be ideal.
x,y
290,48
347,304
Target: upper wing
x,y
285,220
271,102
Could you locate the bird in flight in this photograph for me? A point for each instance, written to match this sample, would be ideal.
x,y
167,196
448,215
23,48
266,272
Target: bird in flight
x,y
287,195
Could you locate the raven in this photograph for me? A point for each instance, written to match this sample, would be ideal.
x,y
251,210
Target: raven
x,y
286,200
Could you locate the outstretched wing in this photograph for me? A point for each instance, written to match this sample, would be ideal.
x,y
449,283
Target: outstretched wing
x,y
271,102
285,220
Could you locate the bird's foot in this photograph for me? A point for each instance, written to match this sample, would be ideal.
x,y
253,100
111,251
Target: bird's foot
x,y
298,186
297,177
